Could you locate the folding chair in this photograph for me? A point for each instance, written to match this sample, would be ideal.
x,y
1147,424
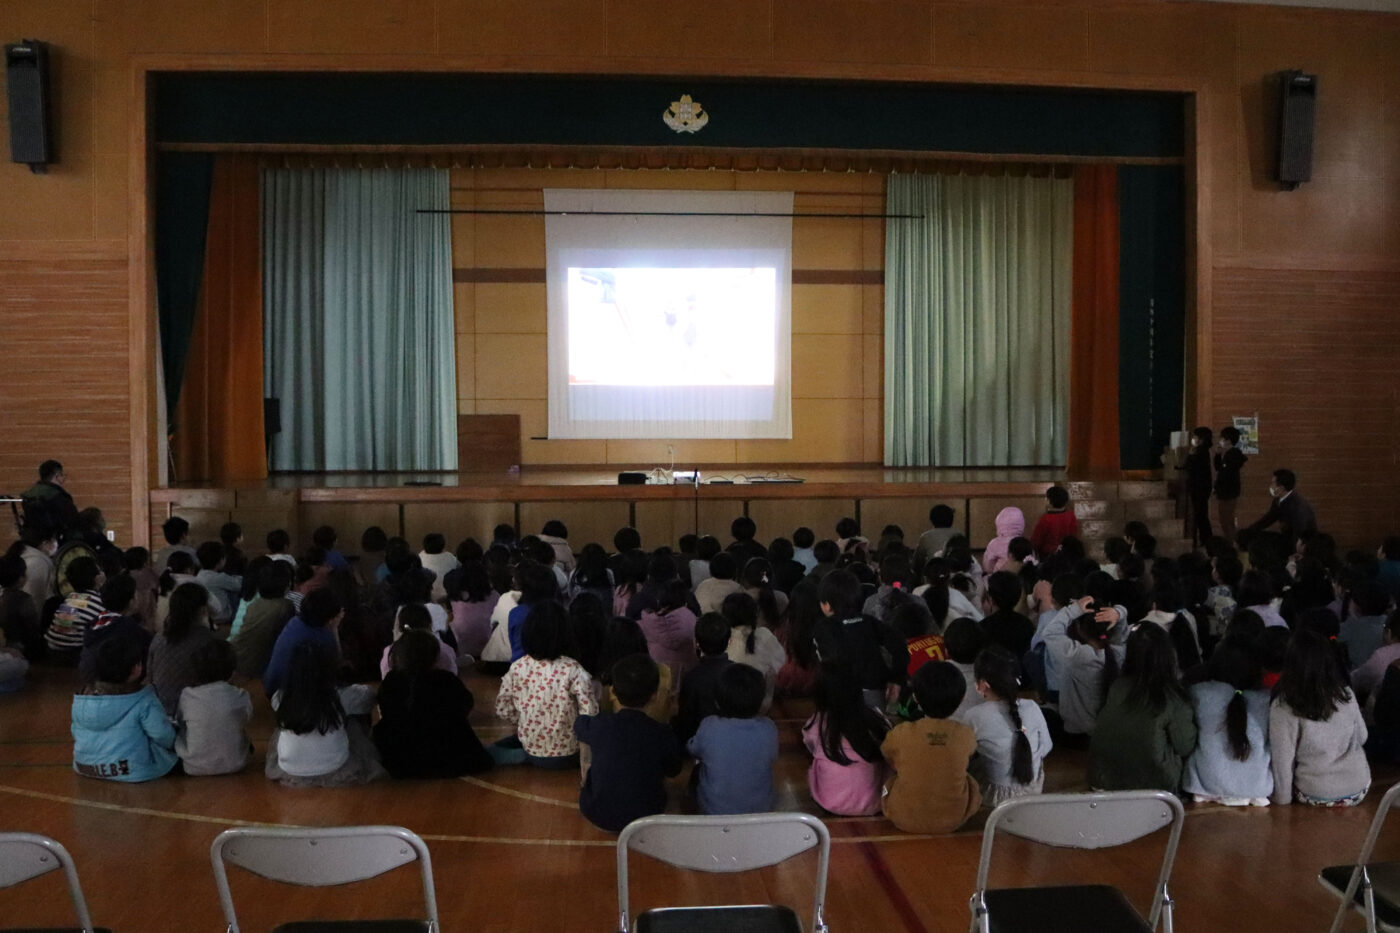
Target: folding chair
x,y
324,857
1080,821
1371,888
723,844
24,856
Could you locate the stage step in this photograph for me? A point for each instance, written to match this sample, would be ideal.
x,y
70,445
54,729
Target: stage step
x,y
1104,508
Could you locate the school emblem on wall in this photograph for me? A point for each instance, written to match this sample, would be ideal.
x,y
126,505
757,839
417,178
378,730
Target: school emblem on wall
x,y
685,115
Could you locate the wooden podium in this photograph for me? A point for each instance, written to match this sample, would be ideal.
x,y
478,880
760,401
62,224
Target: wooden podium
x,y
488,443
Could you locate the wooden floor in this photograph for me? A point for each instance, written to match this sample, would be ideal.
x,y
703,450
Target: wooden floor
x,y
511,853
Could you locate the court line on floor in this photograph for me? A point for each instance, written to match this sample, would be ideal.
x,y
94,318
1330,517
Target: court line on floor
x,y
179,816
895,894
517,794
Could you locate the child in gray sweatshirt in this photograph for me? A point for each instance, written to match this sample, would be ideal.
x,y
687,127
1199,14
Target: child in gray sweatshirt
x,y
1315,730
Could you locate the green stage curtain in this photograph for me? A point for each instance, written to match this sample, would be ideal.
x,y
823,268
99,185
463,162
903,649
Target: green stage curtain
x,y
359,342
183,181
977,312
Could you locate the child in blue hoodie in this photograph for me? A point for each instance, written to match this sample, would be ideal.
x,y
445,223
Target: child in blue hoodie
x,y
120,730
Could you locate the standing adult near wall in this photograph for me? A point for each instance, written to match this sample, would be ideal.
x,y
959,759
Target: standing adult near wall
x,y
1293,513
48,503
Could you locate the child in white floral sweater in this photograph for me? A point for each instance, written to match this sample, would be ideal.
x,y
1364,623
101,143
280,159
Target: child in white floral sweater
x,y
545,691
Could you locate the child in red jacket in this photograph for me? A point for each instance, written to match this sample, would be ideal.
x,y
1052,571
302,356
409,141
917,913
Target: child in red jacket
x,y
1056,524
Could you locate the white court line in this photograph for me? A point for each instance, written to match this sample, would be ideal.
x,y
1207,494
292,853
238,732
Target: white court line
x,y
485,840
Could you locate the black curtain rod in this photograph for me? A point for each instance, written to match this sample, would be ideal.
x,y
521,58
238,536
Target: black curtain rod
x,y
542,213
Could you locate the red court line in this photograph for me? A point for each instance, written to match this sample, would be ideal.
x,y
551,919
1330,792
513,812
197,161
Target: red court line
x,y
885,878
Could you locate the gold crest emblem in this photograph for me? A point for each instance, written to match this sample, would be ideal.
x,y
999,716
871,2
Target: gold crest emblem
x,y
685,115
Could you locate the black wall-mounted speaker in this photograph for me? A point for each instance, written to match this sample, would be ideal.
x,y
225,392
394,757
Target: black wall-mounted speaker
x,y
1297,109
27,84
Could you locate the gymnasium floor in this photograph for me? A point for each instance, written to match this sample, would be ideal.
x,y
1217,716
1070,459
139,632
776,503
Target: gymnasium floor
x,y
511,853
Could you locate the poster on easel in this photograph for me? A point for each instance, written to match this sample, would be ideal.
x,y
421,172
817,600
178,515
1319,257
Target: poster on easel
x,y
1248,426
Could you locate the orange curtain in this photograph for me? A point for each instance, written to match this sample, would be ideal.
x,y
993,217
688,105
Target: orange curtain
x,y
219,420
1093,330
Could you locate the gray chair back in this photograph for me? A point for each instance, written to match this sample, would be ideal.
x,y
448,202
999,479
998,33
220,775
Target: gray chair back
x,y
25,855
319,857
725,844
1089,821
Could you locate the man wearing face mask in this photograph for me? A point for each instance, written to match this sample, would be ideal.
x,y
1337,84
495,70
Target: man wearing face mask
x,y
1291,511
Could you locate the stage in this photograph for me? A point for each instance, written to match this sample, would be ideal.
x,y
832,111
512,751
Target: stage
x,y
593,506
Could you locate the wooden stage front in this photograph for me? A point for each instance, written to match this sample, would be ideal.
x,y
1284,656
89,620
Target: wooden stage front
x,y
593,506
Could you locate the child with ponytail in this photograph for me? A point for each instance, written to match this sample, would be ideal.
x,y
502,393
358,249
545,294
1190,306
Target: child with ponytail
x,y
1012,735
1231,762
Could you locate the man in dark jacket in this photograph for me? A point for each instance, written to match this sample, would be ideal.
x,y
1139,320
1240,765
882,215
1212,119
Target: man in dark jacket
x,y
48,503
1291,511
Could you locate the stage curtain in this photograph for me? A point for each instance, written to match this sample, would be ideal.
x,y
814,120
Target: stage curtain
x,y
181,222
1093,361
977,298
359,341
218,427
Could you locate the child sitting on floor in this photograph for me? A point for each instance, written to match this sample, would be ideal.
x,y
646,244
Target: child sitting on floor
x,y
415,617
544,692
1147,727
737,748
213,714
120,731
1315,730
696,698
930,790
1012,736
423,730
1231,763
317,743
847,774
632,753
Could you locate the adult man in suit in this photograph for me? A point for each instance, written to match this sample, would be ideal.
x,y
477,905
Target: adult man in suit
x,y
1291,511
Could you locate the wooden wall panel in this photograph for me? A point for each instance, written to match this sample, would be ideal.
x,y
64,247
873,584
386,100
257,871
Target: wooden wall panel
x,y
779,518
65,395
714,517
680,30
909,514
349,519
875,31
1040,36
662,522
547,27
586,521
1312,352
456,520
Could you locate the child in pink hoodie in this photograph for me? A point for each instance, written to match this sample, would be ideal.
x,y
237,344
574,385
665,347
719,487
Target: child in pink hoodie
x,y
1011,523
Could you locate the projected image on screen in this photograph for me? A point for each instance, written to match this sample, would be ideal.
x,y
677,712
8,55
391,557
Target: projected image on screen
x,y
670,314
672,326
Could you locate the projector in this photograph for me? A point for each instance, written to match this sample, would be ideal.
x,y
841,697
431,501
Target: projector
x,y
685,477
